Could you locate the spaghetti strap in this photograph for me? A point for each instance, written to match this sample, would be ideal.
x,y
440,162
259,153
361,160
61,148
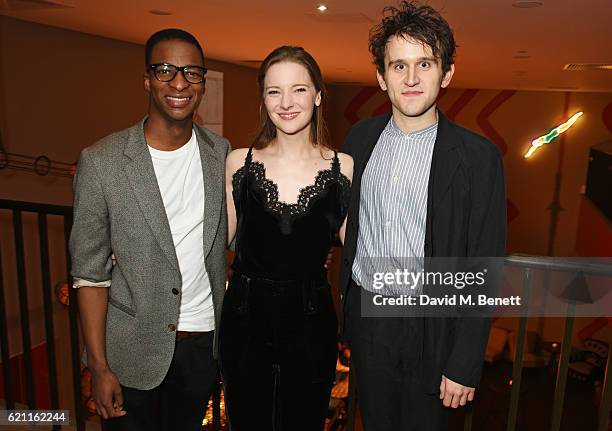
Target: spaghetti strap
x,y
249,157
241,176
336,164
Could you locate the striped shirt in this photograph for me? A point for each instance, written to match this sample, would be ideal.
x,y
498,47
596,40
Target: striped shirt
x,y
393,204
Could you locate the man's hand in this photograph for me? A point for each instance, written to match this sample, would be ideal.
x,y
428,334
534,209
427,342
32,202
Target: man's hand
x,y
107,394
454,394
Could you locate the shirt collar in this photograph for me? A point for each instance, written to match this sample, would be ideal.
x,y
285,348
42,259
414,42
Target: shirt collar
x,y
394,130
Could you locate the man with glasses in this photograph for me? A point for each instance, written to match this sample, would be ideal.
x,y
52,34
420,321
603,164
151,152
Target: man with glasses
x,y
153,196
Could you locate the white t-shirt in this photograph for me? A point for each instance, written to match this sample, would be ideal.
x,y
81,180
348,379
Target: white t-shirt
x,y
181,183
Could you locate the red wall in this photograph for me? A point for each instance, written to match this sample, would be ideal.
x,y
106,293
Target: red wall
x,y
41,378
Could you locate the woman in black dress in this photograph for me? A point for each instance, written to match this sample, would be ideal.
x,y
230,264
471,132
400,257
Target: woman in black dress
x,y
287,199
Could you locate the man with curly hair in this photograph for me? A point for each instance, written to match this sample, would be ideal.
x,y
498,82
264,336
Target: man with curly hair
x,y
423,187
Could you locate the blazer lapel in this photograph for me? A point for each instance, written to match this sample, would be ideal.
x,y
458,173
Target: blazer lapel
x,y
445,160
371,138
141,175
444,163
212,169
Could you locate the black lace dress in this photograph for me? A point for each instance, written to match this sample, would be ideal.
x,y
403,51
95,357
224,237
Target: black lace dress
x,y
278,328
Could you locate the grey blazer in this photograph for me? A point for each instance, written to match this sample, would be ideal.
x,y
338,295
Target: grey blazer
x,y
118,209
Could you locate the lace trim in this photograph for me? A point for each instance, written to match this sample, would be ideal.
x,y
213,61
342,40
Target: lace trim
x,y
307,195
345,194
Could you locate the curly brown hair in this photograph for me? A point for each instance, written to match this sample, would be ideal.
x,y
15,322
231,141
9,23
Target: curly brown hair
x,y
415,21
319,134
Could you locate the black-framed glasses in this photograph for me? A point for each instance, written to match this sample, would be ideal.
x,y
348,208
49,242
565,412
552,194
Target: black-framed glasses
x,y
166,72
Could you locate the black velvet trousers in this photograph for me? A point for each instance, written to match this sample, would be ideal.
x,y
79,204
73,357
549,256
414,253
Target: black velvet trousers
x,y
278,353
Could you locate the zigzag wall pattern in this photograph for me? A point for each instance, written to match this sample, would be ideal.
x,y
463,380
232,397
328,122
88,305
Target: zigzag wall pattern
x,y
367,93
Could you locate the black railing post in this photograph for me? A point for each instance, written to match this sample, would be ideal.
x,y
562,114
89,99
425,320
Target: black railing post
x,y
4,345
74,333
43,239
23,308
517,368
566,347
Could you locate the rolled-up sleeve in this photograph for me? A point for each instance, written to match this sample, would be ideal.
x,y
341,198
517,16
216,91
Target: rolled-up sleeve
x,y
90,245
81,282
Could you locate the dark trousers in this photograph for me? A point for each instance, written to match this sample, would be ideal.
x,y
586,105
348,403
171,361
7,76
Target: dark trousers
x,y
278,352
386,356
179,402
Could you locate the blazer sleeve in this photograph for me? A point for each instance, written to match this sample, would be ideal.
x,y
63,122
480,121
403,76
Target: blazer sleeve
x,y
90,245
486,239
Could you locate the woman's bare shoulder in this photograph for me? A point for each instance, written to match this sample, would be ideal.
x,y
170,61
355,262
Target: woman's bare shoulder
x,y
235,160
346,164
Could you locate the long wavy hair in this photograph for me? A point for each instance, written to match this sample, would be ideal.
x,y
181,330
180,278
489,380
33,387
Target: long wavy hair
x,y
319,134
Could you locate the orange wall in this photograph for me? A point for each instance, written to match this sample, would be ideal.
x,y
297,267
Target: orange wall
x,y
61,90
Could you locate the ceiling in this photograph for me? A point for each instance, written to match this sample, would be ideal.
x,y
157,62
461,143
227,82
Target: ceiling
x,y
500,46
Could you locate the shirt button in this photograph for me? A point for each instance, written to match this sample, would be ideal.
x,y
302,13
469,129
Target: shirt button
x,y
388,223
395,179
175,291
172,327
346,262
